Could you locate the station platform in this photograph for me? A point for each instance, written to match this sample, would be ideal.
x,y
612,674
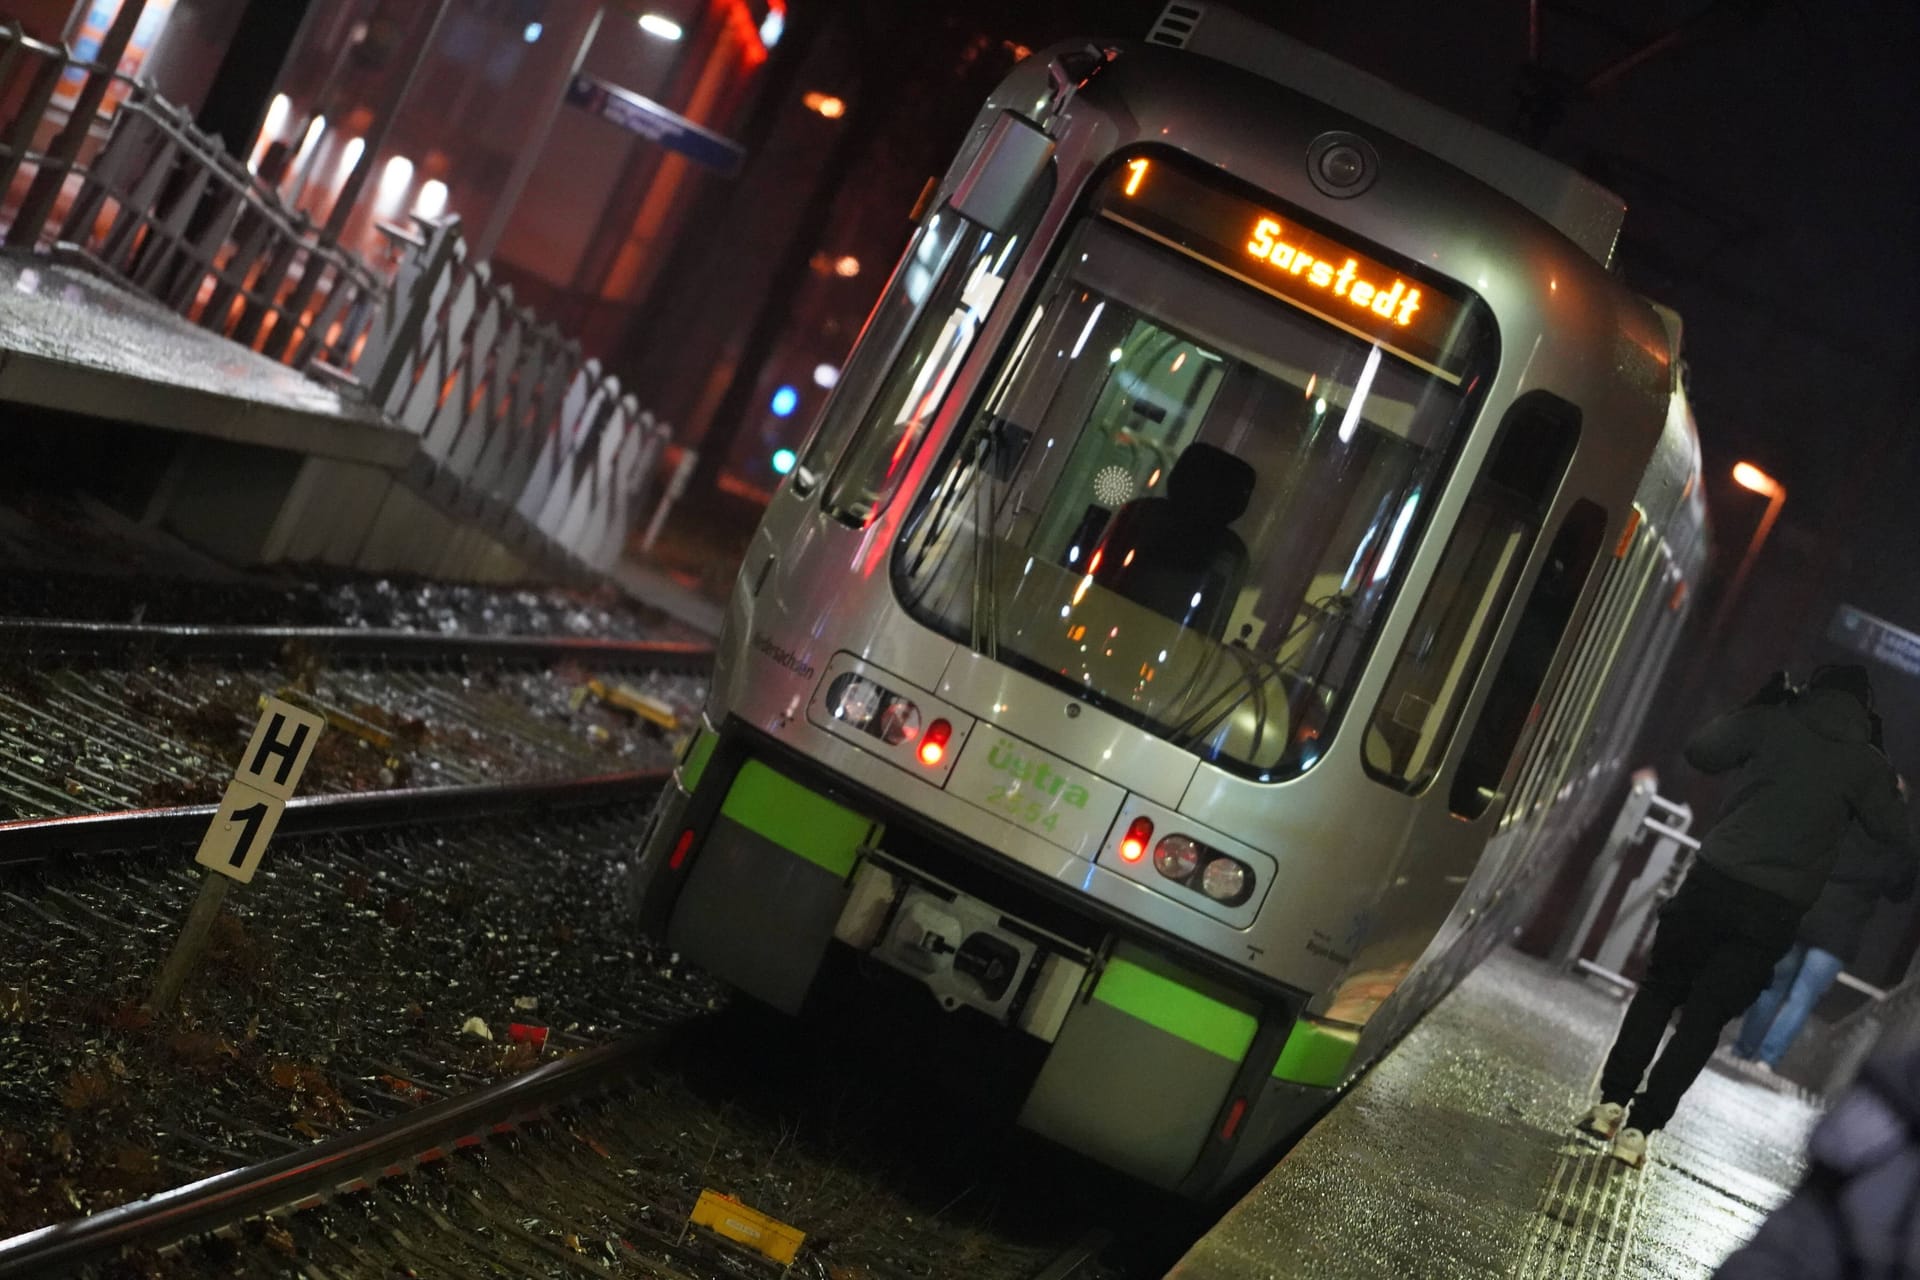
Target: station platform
x,y
76,343
1455,1157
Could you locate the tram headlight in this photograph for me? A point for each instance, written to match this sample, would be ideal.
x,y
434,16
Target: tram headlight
x,y
855,700
1176,858
899,722
1227,881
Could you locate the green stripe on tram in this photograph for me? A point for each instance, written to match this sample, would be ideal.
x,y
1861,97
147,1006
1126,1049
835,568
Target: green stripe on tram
x,y
694,763
800,821
1165,1002
1316,1054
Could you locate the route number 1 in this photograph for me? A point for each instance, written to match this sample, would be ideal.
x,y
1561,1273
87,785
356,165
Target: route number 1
x,y
250,810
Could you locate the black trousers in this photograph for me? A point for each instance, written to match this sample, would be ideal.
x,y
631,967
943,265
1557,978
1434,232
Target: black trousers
x,y
1713,952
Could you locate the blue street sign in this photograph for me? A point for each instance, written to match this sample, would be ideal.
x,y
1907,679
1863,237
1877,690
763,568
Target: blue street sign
x,y
1876,638
655,123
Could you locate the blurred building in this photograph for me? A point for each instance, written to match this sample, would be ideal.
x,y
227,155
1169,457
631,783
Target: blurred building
x,y
707,193
572,137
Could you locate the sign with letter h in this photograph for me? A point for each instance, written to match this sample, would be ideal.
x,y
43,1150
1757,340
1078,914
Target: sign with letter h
x,y
250,810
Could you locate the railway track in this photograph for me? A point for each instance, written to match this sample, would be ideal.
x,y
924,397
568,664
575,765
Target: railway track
x,y
325,1047
62,638
364,1076
107,717
557,1172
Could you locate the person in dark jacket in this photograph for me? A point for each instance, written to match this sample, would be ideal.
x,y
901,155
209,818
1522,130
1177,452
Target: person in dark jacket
x,y
1865,871
1852,1218
1804,766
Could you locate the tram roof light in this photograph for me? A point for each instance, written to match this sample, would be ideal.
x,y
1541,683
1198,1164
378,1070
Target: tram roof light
x,y
656,25
1748,476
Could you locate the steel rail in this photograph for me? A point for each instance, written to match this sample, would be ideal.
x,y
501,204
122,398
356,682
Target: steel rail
x,y
33,840
299,1178
114,639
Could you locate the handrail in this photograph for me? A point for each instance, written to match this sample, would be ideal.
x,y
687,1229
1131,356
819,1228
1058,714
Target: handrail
x,y
542,450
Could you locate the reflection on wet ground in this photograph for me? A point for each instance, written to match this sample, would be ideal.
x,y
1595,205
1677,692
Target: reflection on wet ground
x,y
1455,1158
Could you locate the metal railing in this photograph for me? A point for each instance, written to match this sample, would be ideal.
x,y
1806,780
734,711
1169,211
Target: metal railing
x,y
1888,1020
520,434
145,198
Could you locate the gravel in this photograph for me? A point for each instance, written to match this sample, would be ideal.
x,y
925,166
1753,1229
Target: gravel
x,y
340,986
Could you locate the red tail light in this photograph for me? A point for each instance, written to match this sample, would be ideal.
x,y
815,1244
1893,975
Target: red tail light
x,y
1235,1114
1134,846
933,747
681,847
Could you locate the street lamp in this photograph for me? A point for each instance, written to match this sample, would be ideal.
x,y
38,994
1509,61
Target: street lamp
x,y
1748,476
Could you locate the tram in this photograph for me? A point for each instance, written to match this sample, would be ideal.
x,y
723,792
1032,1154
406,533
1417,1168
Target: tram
x,y
1234,563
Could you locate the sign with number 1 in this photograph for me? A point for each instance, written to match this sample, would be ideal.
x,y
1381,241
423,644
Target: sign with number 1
x,y
250,811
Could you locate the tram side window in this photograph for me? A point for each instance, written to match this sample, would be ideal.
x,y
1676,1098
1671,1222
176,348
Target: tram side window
x,y
900,304
1516,685
920,368
1419,711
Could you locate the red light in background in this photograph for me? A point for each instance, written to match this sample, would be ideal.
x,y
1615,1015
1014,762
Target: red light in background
x,y
933,747
752,49
1134,846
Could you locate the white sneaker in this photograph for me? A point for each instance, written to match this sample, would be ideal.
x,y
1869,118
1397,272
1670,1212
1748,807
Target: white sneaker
x,y
1602,1119
1630,1147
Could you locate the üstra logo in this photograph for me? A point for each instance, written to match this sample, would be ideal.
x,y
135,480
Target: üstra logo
x,y
1005,758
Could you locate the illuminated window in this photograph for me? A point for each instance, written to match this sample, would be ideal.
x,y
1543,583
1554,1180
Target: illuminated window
x,y
1185,497
915,388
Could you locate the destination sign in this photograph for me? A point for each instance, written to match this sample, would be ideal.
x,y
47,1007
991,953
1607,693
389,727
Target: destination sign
x,y
1276,253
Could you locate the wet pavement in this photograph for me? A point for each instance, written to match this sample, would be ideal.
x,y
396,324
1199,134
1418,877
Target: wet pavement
x,y
73,341
1455,1158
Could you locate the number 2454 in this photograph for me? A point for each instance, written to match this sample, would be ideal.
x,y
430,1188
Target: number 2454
x,y
1021,808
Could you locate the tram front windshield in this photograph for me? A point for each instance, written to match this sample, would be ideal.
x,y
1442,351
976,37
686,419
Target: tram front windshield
x,y
1199,477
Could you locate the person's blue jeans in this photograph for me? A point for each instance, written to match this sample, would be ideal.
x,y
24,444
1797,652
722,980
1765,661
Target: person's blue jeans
x,y
1799,980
